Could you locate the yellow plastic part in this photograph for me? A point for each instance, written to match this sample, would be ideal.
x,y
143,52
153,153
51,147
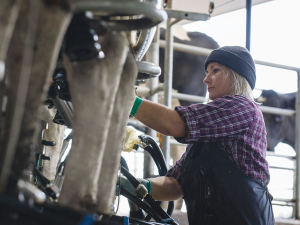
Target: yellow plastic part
x,y
131,138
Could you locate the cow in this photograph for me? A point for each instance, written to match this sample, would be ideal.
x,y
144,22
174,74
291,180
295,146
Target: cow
x,y
188,69
102,92
107,106
9,12
279,128
30,61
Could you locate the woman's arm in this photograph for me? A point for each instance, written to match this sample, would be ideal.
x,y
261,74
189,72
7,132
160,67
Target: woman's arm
x,y
165,189
161,118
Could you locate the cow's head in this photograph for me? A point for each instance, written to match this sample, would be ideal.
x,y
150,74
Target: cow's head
x,y
279,128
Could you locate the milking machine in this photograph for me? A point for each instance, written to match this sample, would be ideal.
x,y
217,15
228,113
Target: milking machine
x,y
152,209
92,18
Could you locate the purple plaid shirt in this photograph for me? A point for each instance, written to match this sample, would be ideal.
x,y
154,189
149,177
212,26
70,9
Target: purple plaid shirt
x,y
237,124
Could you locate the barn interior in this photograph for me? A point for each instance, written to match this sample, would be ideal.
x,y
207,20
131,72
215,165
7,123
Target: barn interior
x,y
69,72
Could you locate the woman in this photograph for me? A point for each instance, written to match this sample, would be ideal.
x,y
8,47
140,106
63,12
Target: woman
x,y
223,174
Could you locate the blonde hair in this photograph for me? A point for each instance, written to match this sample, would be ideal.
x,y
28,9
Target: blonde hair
x,y
240,85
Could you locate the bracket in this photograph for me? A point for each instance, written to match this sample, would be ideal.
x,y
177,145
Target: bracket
x,y
187,15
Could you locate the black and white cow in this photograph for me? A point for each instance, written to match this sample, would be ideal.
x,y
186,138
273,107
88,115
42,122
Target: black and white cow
x,y
279,128
188,69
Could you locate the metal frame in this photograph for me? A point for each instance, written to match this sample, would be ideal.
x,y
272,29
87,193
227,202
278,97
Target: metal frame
x,y
118,7
147,70
174,17
248,23
152,56
187,15
108,10
65,109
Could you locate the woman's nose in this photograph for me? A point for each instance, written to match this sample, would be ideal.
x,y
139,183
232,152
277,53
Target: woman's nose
x,y
206,79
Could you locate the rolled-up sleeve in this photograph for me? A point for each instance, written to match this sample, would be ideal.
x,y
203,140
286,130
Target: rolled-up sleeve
x,y
175,171
213,121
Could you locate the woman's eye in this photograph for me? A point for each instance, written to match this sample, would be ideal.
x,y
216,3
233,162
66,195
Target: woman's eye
x,y
216,70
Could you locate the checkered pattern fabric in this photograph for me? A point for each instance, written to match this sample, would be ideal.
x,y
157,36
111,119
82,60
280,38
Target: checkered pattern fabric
x,y
237,124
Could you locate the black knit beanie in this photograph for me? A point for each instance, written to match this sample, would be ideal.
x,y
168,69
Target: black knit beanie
x,y
236,58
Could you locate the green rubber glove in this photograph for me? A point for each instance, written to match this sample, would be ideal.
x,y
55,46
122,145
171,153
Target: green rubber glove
x,y
125,184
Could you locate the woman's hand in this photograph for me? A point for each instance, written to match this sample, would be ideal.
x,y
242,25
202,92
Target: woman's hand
x,y
161,188
124,183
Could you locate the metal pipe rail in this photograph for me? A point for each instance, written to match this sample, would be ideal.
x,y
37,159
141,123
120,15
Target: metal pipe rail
x,y
283,203
206,51
65,109
281,156
283,168
145,91
187,48
272,154
174,142
287,200
277,111
187,97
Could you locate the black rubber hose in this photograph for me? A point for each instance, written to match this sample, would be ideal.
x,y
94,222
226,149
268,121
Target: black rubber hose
x,y
154,150
41,178
159,212
44,181
124,163
46,214
135,183
135,211
141,204
158,209
119,220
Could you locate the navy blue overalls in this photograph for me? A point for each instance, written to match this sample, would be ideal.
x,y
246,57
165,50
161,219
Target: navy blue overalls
x,y
216,192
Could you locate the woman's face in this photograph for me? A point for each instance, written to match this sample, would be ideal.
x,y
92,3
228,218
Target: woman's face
x,y
217,85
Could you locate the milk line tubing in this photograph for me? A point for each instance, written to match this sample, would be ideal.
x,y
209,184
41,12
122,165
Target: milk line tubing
x,y
153,209
149,145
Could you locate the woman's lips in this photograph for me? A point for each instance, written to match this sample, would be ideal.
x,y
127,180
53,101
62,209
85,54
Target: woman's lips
x,y
209,88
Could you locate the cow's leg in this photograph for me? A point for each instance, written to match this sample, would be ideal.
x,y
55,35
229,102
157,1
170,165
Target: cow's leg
x,y
55,132
115,138
46,49
9,11
93,86
17,77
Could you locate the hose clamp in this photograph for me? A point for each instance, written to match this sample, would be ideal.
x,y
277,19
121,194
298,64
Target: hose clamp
x,y
141,191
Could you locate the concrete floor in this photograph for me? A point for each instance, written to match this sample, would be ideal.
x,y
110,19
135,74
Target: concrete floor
x,y
181,219
287,222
